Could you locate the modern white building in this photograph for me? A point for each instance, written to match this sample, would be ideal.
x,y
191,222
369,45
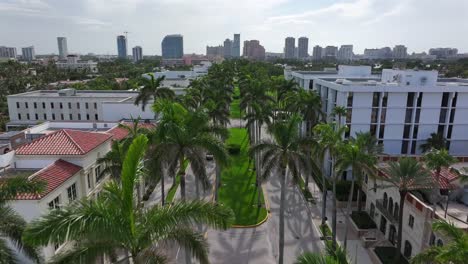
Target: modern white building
x,y
137,53
71,105
289,48
28,53
345,53
73,62
8,52
62,47
317,53
400,52
400,107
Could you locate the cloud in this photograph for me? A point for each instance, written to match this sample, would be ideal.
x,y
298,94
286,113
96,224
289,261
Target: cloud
x,y
24,6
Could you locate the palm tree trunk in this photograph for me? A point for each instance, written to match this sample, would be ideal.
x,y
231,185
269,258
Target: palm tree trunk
x,y
359,198
217,181
334,214
259,171
163,195
182,178
281,220
348,210
197,188
436,192
324,199
400,225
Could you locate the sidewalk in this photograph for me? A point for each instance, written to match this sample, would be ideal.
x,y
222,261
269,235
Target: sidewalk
x,y
356,252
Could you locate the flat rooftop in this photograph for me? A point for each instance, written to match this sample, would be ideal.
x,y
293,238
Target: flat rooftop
x,y
82,93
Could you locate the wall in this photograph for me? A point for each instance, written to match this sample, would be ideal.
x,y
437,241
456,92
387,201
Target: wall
x,y
116,111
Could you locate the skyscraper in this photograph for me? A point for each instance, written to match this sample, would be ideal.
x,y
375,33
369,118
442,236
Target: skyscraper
x,y
215,51
400,52
345,53
317,53
62,47
28,53
253,50
303,48
289,47
330,52
122,47
236,46
228,48
137,53
8,52
172,47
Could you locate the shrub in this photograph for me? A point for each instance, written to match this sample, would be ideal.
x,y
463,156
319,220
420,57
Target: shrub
x,y
363,220
234,149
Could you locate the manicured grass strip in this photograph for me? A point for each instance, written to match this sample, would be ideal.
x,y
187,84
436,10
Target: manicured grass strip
x,y
238,190
235,104
172,191
305,191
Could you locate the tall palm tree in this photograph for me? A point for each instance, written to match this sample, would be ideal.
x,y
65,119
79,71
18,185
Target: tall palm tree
x,y
152,90
406,175
436,160
12,225
113,160
353,156
284,155
435,141
112,223
455,251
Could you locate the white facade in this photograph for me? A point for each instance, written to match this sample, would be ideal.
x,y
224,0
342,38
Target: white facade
x,y
401,108
137,53
8,52
345,53
400,52
73,62
28,53
62,47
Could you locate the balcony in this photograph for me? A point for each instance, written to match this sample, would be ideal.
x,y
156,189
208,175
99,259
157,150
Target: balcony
x,y
385,212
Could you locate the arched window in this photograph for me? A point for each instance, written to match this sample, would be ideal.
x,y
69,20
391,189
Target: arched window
x,y
385,200
390,205
395,211
440,243
408,249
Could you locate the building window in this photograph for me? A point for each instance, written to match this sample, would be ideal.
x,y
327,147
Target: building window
x,y
372,210
410,100
53,116
26,105
404,147
89,180
35,105
37,116
77,105
61,105
390,205
45,116
79,116
43,105
19,116
69,105
27,116
95,105
86,105
375,99
52,105
395,211
385,200
96,117
445,99
407,250
97,172
61,117
87,116
55,203
71,117
18,105
411,221
72,193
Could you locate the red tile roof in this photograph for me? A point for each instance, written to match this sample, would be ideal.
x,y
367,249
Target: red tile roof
x,y
54,175
119,133
64,142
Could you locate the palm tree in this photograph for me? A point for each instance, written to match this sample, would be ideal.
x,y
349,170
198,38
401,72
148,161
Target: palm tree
x,y
316,258
436,160
285,155
406,175
435,141
151,90
113,160
329,137
455,251
12,225
353,156
112,223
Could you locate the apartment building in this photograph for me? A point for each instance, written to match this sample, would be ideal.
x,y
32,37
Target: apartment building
x,y
382,204
71,105
73,62
400,107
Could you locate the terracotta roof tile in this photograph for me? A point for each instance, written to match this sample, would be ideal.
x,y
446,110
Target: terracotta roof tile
x,y
54,175
64,142
119,133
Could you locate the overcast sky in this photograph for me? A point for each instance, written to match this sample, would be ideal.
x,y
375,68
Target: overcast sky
x,y
92,25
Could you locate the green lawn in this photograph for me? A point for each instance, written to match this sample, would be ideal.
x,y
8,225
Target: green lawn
x,y
238,190
235,105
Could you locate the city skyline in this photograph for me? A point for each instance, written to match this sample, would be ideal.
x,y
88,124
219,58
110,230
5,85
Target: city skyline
x,y
269,21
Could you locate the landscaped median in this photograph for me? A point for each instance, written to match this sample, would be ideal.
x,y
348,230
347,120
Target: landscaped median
x,y
238,190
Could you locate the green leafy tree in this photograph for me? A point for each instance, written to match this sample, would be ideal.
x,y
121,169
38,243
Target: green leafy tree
x,y
435,141
284,155
112,223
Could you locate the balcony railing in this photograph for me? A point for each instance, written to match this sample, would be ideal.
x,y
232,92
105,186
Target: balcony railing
x,y
384,210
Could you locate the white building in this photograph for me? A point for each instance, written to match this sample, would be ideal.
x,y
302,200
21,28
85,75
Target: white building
x,y
28,53
8,52
78,106
400,107
317,53
345,53
73,62
400,52
137,53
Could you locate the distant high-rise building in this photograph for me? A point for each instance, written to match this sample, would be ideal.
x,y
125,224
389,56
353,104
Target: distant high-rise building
x,y
28,53
303,48
236,46
289,46
228,48
345,53
137,53
8,52
443,53
122,47
215,51
62,47
380,53
330,52
253,50
317,53
173,47
400,52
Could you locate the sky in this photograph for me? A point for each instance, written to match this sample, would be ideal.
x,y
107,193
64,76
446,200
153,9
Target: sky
x,y
92,25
